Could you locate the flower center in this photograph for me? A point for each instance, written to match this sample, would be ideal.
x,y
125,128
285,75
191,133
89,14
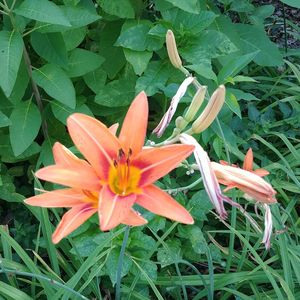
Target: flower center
x,y
123,179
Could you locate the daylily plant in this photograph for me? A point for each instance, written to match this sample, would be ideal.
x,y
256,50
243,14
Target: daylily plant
x,y
119,172
246,179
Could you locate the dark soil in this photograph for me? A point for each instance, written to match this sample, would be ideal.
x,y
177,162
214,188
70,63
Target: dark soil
x,y
279,26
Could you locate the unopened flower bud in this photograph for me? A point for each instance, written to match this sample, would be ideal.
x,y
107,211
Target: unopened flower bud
x,y
180,123
211,110
195,104
172,50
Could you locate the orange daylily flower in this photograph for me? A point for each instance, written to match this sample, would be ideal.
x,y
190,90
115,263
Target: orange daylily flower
x,y
246,179
118,173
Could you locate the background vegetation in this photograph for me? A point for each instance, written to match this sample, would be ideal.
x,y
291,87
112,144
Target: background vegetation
x,y
58,57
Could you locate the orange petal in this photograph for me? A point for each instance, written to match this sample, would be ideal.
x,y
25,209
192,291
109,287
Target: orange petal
x,y
63,156
161,203
157,162
113,128
82,178
134,219
248,161
113,208
57,198
267,198
72,220
133,132
94,141
261,172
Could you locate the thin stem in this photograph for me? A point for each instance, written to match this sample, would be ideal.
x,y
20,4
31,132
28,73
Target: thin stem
x,y
184,188
13,5
4,7
36,92
3,12
284,28
120,263
223,137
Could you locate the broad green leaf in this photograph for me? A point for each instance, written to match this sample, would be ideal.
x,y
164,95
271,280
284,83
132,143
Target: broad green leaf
x,y
62,112
191,24
42,10
119,8
51,47
11,50
234,66
95,80
114,56
139,60
171,253
4,120
191,6
116,93
112,265
150,269
200,205
195,235
242,6
137,38
260,13
233,104
56,84
204,70
154,78
293,3
20,88
25,125
208,44
253,38
82,62
241,95
78,16
74,37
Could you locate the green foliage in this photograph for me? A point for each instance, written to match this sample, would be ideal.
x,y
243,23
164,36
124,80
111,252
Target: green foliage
x,y
93,57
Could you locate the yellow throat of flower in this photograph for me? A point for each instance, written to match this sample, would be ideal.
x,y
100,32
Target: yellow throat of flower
x,y
123,179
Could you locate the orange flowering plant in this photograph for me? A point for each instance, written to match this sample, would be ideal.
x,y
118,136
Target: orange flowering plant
x,y
118,173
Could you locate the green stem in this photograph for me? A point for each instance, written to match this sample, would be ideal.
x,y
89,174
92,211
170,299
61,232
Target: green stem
x,y
120,263
180,189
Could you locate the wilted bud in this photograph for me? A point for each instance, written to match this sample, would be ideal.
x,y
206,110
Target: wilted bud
x,y
166,119
250,183
210,181
172,50
211,110
196,104
268,227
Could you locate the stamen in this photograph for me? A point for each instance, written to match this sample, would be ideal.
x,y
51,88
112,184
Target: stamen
x,y
115,163
121,153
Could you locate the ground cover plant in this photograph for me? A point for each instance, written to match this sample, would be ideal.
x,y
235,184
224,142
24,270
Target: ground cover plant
x,y
214,87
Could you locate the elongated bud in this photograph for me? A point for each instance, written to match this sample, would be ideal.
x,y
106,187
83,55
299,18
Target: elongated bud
x,y
211,110
172,49
196,104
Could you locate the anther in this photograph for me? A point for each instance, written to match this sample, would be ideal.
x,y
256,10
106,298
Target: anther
x,y
121,153
115,163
